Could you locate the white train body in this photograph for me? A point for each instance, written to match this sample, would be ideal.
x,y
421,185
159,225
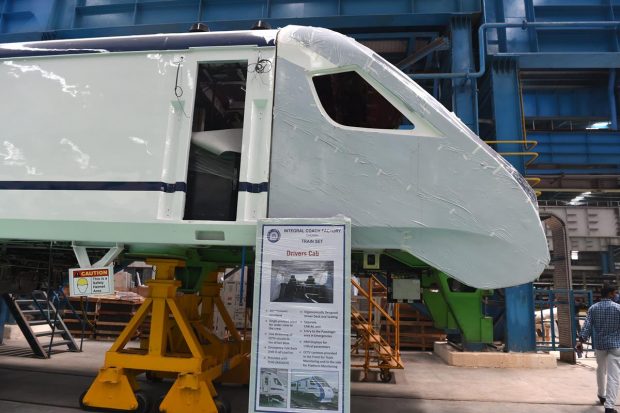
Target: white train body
x,y
271,387
314,387
97,139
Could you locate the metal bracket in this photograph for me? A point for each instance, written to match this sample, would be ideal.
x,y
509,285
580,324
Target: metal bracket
x,y
81,253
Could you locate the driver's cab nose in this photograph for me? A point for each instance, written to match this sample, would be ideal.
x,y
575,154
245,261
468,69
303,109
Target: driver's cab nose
x,y
353,135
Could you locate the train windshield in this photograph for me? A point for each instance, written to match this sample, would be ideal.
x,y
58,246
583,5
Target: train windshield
x,y
320,381
349,100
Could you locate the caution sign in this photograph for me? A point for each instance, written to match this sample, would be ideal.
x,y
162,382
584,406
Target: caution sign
x,y
91,281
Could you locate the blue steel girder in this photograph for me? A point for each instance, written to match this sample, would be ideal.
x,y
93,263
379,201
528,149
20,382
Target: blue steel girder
x,y
581,149
608,260
611,96
520,324
552,39
567,60
530,15
570,103
596,46
507,110
508,116
22,20
464,90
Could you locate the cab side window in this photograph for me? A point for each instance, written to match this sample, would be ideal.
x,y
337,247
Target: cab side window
x,y
350,100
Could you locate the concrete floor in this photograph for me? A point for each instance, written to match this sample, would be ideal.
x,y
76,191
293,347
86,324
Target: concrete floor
x,y
427,385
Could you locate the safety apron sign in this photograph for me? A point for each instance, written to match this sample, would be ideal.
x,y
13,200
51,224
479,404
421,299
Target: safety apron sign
x,y
302,316
91,281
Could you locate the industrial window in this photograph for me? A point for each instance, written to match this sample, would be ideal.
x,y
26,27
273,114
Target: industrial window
x,y
215,150
351,101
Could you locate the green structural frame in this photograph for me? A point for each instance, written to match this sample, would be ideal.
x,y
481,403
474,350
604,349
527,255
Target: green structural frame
x,y
452,310
460,310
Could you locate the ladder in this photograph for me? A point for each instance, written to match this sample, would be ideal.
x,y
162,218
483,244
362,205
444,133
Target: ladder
x,y
37,318
379,352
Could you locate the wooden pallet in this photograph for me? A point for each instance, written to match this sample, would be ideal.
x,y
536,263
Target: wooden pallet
x,y
416,330
78,334
113,316
74,320
108,316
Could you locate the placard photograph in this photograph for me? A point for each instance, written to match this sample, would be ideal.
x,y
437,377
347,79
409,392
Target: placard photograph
x,y
302,281
314,390
273,387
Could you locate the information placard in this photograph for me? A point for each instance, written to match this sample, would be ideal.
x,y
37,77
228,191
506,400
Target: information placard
x,y
302,316
91,281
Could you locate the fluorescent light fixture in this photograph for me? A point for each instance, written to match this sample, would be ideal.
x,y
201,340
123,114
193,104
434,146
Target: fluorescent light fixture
x,y
574,255
599,125
579,198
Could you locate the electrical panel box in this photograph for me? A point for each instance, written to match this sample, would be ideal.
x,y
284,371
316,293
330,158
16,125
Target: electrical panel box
x,y
404,290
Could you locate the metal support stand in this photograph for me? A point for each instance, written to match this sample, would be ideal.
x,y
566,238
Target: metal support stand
x,y
81,253
173,348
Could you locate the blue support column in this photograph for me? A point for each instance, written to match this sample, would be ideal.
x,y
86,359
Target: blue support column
x,y
464,91
508,114
604,263
611,89
608,261
507,110
520,334
4,316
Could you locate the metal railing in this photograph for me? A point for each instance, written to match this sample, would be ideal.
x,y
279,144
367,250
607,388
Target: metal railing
x,y
529,146
565,203
551,299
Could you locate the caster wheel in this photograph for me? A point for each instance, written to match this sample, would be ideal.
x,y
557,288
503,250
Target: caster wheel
x,y
144,402
385,376
223,405
153,377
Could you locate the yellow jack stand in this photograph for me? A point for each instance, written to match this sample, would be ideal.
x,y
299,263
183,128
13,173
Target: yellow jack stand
x,y
171,349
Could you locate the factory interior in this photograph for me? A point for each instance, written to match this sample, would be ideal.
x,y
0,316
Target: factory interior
x,y
468,149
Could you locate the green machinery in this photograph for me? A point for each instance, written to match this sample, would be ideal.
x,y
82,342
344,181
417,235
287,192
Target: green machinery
x,y
454,307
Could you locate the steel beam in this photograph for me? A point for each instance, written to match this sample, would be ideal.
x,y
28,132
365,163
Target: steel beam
x,y
611,89
581,149
76,19
507,110
464,91
508,116
440,43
